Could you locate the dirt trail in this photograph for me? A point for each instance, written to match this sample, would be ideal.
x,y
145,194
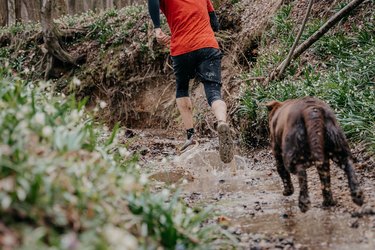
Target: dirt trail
x,y
249,202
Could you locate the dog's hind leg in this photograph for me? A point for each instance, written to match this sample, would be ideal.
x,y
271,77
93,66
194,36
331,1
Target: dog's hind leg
x,y
355,191
285,176
304,200
325,180
340,151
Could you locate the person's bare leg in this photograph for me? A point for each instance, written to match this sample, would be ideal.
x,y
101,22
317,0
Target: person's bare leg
x,y
219,107
185,107
226,152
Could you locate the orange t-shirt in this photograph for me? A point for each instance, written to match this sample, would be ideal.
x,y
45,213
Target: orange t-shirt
x,y
189,23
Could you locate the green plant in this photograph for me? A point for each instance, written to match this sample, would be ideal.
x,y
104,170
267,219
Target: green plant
x,y
62,182
347,83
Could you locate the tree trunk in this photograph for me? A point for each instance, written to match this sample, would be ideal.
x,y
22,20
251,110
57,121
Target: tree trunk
x,y
33,9
18,10
51,40
3,13
71,7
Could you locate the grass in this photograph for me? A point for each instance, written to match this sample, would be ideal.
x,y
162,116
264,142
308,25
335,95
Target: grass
x,y
345,77
64,181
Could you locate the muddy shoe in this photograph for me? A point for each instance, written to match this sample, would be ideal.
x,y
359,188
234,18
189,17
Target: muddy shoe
x,y
225,142
187,144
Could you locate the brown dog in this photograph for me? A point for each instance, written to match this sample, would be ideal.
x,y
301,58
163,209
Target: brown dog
x,y
305,132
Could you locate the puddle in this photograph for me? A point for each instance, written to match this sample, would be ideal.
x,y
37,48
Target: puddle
x,y
251,199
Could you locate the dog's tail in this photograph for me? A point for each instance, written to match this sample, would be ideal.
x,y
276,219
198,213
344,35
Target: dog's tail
x,y
314,123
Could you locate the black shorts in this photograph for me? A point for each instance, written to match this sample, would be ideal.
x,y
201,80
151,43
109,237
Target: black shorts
x,y
205,64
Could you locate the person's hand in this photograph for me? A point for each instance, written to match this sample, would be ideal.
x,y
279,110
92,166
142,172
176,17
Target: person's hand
x,y
161,37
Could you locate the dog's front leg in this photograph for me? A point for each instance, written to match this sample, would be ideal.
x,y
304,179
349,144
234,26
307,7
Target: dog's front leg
x,y
304,200
325,180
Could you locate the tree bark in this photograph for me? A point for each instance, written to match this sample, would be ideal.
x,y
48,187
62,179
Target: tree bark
x,y
3,13
33,9
51,40
18,10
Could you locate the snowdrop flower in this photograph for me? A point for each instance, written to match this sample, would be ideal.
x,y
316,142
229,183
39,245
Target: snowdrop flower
x,y
47,131
165,193
76,81
120,239
143,179
124,152
129,182
39,118
26,70
75,115
102,104
50,109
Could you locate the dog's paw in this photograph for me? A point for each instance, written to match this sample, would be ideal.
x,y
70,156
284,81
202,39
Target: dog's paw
x,y
288,191
358,197
329,203
304,205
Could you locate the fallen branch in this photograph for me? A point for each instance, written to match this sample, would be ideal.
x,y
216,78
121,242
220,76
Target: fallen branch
x,y
286,62
318,34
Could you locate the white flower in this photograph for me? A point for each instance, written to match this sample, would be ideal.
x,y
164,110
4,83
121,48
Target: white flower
x,y
102,104
120,239
75,115
26,70
39,118
184,181
76,81
47,131
129,182
5,202
50,109
143,179
165,193
124,152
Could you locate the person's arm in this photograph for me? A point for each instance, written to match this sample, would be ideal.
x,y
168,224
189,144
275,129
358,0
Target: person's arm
x,y
213,18
154,10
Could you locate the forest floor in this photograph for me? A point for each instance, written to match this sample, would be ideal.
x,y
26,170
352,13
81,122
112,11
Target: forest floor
x,y
246,197
131,75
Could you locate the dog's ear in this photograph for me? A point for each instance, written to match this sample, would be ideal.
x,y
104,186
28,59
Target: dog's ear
x,y
272,105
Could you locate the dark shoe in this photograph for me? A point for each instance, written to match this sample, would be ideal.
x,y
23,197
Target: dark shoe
x,y
225,142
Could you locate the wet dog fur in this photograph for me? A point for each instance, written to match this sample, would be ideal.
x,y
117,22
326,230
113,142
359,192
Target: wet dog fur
x,y
305,132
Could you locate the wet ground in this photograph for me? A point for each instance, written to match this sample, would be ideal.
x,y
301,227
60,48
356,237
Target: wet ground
x,y
247,196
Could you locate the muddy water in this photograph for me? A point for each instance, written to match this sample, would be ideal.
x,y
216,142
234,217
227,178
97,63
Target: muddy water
x,y
247,197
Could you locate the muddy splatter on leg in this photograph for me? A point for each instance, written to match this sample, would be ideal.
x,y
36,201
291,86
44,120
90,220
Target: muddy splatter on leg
x,y
325,180
304,200
285,176
356,192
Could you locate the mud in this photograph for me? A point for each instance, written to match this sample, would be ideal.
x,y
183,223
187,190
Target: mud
x,y
247,196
